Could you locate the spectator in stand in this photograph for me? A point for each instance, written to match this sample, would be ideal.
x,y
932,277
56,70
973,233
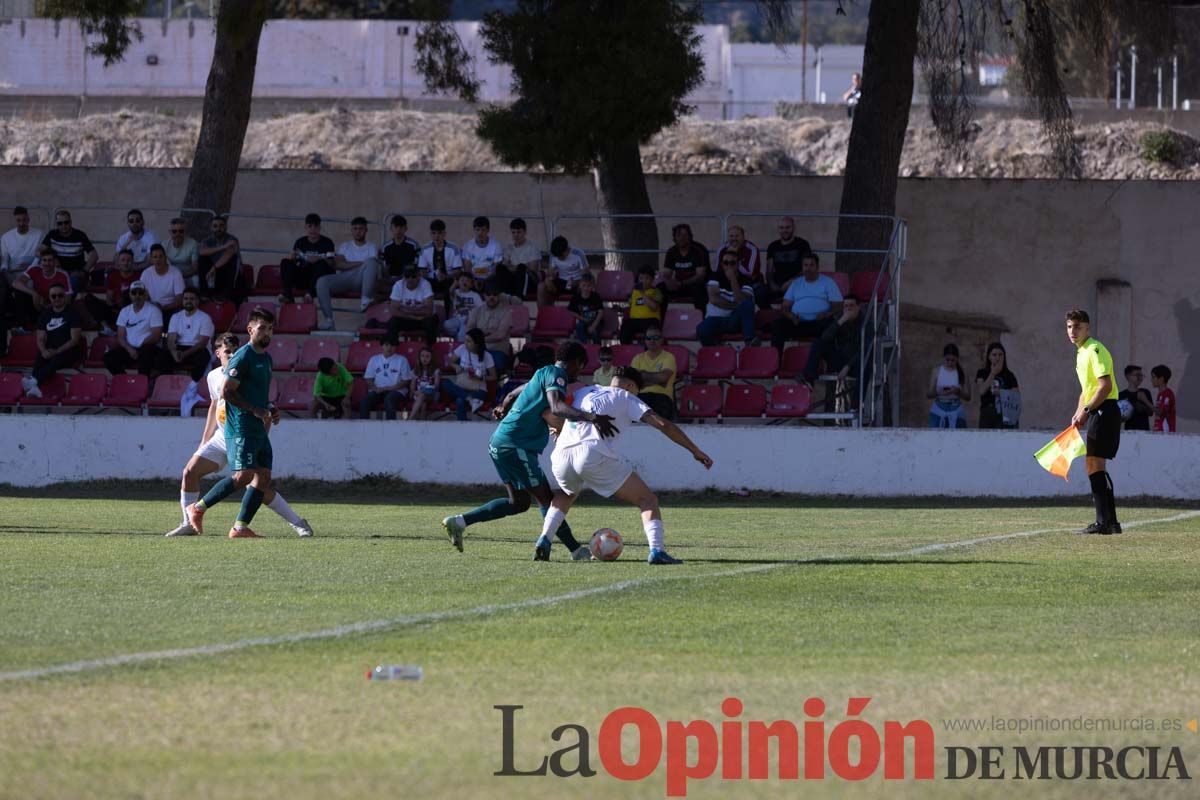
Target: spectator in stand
x,y
1141,403
31,289
388,379
1164,404
137,239
658,370
411,304
604,373
567,266
685,268
522,260
810,305
139,330
852,95
785,256
310,260
749,264
426,380
116,294
163,282
188,335
646,304
76,254
59,341
472,367
730,305
839,346
588,309
399,254
948,389
356,266
494,318
440,260
220,263
183,252
330,388
463,300
996,409
18,252
483,254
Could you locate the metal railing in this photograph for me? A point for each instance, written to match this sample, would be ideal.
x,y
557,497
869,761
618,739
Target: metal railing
x,y
157,219
588,246
879,354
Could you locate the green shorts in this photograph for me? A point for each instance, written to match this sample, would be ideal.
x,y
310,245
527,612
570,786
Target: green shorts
x,y
517,468
249,453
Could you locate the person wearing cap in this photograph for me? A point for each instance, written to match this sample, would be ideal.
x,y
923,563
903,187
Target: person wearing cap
x,y
411,305
139,329
388,377
494,318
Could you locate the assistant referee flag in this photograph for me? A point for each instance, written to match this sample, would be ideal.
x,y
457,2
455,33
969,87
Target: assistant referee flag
x,y
1056,457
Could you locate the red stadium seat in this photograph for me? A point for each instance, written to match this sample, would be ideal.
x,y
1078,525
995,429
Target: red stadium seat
x,y
411,350
863,283
715,363
86,390
53,389
614,285
22,351
247,275
593,362
683,359
610,323
553,322
623,354
358,390
168,391
757,363
789,400
222,313
269,280
679,324
763,319
127,391
313,349
700,401
295,393
296,318
243,317
284,353
380,313
100,346
794,359
841,279
360,353
442,350
11,390
745,400
520,320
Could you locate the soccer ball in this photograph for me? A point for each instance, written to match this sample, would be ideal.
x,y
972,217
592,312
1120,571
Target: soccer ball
x,y
606,545
1126,409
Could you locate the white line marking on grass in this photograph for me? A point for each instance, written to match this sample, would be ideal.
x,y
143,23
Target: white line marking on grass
x,y
380,625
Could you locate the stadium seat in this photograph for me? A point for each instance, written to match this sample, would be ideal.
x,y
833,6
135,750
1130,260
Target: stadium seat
x,y
863,283
248,275
284,353
127,391
745,400
553,322
100,346
10,388
269,280
295,393
789,400
358,390
841,279
610,323
757,363
87,389
614,285
593,362
296,318
22,350
794,359
520,320
679,324
440,352
715,363
168,391
623,354
222,312
243,317
53,389
380,313
410,349
313,349
360,353
700,401
683,359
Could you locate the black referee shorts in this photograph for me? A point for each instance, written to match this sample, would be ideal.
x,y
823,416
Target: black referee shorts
x,y
1104,431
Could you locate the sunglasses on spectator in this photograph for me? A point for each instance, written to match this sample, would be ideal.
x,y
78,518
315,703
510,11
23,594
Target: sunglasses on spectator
x,y
132,220
62,222
57,295
137,291
653,338
604,359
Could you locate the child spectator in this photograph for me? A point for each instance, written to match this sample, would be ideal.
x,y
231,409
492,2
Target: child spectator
x,y
567,266
588,310
388,379
604,373
1164,404
330,389
463,299
645,307
1141,403
948,389
425,382
472,367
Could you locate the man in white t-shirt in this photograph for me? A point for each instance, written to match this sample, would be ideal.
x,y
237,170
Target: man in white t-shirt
x,y
388,378
183,252
357,265
583,459
412,307
482,254
188,335
137,239
139,329
18,252
522,260
163,282
567,265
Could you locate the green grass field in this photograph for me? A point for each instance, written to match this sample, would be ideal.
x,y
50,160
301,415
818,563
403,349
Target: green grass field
x,y
780,600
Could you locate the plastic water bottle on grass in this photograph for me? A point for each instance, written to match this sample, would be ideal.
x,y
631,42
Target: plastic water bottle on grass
x,y
395,672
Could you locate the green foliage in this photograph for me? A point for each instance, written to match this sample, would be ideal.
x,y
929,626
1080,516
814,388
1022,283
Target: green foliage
x,y
111,20
443,60
1161,147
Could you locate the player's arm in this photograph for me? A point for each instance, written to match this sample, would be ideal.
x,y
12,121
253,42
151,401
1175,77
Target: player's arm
x,y
1088,405
233,398
560,408
210,421
676,435
501,411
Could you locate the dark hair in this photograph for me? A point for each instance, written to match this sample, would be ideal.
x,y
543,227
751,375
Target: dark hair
x,y
220,218
133,211
392,339
312,219
190,290
262,314
178,221
159,247
476,335
46,250
1161,371
226,339
987,353
437,225
359,221
431,367
587,277
127,250
683,226
630,374
1078,315
1131,369
951,349
20,210
481,222
398,220
646,269
559,247
571,350
325,364
492,287
517,224
853,297
605,350
813,256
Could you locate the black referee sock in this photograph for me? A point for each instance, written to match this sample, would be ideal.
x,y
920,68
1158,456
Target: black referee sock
x,y
1100,494
1111,507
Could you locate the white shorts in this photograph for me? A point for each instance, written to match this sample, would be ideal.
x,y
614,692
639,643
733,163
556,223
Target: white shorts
x,y
214,450
582,467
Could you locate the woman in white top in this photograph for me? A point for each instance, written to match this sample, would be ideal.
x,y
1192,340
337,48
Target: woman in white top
x,y
948,389
471,368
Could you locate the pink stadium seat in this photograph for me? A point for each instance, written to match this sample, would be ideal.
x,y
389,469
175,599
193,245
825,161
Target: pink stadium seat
x,y
745,400
222,313
10,388
715,363
100,346
623,354
520,320
593,362
127,391
610,323
168,391
789,400
380,312
863,283
295,393
441,350
794,359
841,279
284,353
679,324
614,285
22,351
410,349
360,353
53,391
553,322
268,280
296,318
757,363
243,317
313,349
86,390
700,401
683,359
247,275
358,390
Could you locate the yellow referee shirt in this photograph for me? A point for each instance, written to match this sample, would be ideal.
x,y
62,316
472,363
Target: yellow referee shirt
x,y
1092,362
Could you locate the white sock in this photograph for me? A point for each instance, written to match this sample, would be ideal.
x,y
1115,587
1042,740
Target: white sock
x,y
654,533
281,507
554,518
186,499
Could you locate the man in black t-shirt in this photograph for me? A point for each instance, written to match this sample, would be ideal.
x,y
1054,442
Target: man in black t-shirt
x,y
1139,400
785,256
397,254
76,254
59,337
311,258
684,272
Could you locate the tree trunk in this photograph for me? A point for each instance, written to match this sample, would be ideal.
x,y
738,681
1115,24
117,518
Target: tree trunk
x,y
226,110
621,189
877,134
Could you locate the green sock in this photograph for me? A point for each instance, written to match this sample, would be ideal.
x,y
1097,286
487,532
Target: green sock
x,y
251,500
492,509
220,490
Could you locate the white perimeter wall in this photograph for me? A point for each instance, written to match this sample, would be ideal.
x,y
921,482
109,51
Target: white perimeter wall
x,y
36,450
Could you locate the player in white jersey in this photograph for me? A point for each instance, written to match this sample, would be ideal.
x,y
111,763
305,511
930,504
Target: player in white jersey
x,y
210,456
583,459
